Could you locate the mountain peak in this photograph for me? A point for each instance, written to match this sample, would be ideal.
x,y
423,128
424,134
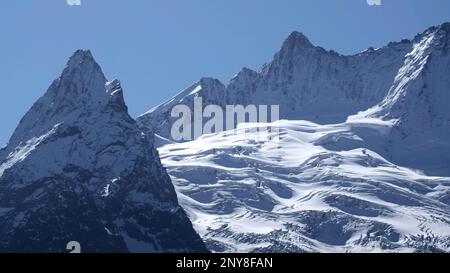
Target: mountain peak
x,y
246,70
82,52
79,91
208,82
434,30
82,76
297,40
83,61
296,44
245,73
79,168
81,56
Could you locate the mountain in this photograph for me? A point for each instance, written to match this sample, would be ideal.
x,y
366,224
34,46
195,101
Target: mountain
x,y
307,82
77,168
358,163
159,121
405,82
417,102
362,162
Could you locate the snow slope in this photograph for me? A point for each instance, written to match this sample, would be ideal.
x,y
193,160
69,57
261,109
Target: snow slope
x,y
405,82
251,193
307,82
368,172
418,103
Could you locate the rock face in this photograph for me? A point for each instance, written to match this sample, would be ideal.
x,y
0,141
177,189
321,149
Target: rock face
x,y
77,168
406,82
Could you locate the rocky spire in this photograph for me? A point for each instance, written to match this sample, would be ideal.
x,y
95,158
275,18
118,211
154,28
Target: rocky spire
x,y
78,168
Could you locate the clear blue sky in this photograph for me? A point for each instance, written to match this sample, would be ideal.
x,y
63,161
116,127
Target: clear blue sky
x,y
158,47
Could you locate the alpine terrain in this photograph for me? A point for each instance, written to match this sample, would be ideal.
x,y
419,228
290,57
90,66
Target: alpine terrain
x,y
359,162
77,168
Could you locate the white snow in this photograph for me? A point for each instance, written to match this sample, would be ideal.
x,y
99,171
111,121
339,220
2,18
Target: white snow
x,y
251,185
106,190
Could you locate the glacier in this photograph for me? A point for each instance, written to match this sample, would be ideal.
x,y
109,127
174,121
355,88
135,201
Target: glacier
x,y
251,193
406,81
360,160
362,163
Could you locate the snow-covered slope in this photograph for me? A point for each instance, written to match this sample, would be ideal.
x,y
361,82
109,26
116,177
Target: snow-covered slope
x,y
307,82
418,103
158,120
77,168
365,180
405,82
251,193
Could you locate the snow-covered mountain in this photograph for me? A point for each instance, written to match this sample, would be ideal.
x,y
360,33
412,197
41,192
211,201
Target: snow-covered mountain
x,y
418,102
368,171
77,168
307,82
362,162
252,193
406,81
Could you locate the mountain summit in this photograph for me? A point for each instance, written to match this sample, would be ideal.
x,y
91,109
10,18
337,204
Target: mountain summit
x,y
77,168
296,40
361,162
404,82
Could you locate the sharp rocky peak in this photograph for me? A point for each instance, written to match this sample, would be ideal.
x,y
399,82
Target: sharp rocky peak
x,y
210,85
245,77
208,82
246,72
78,167
83,62
442,29
82,91
296,45
81,56
296,40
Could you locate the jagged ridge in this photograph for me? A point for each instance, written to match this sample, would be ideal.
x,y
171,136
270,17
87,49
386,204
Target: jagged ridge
x,y
77,168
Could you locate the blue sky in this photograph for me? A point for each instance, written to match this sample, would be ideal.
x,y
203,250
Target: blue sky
x,y
158,47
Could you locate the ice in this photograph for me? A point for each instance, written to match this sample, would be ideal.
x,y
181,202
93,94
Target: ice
x,y
244,194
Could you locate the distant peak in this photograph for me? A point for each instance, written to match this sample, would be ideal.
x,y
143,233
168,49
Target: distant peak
x,y
297,35
245,73
82,62
80,90
297,39
83,52
80,56
444,27
81,80
247,70
208,81
296,44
